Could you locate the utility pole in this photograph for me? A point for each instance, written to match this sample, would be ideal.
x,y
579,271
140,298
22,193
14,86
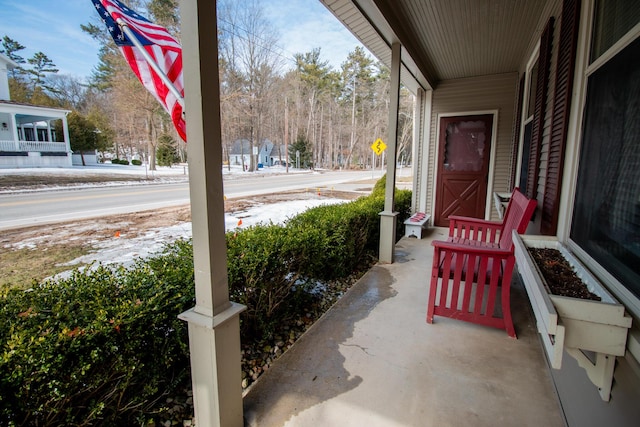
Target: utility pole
x,y
286,133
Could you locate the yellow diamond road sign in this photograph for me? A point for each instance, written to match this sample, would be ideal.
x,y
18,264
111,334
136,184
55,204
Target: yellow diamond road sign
x,y
378,147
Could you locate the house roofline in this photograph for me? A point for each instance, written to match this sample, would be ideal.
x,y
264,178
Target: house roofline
x,y
10,62
24,108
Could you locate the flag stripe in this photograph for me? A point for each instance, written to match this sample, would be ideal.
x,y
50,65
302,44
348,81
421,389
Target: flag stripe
x,y
161,47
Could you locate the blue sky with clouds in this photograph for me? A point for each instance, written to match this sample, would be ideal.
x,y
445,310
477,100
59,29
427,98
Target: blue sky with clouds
x,y
53,27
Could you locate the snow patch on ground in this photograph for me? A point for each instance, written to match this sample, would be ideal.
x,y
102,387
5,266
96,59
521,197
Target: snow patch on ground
x,y
122,250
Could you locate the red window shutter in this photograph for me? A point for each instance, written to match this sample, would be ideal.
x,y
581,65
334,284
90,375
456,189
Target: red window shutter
x,y
544,63
561,108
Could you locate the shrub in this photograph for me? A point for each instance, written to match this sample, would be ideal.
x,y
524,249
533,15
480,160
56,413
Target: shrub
x,y
106,347
136,162
99,347
263,264
270,267
336,239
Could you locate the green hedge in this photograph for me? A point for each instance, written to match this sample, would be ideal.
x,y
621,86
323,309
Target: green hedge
x,y
105,346
99,347
271,267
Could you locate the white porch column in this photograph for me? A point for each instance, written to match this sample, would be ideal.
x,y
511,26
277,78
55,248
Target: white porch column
x,y
214,325
14,129
421,145
416,149
388,217
49,139
67,140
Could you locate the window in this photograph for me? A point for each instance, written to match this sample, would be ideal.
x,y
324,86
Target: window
x,y
540,73
606,220
613,19
42,135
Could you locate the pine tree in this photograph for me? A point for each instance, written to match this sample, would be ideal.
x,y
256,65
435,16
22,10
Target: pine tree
x,y
300,151
9,48
41,65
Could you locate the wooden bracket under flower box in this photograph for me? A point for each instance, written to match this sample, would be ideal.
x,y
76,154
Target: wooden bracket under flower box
x,y
574,324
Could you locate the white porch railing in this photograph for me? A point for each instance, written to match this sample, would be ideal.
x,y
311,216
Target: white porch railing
x,y
7,146
32,146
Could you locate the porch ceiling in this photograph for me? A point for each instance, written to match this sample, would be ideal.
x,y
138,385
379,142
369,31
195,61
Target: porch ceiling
x,y
444,39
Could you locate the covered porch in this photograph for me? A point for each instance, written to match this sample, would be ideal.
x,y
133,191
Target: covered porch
x,y
372,360
524,67
28,137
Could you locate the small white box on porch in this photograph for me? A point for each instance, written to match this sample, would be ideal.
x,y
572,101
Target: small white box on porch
x,y
414,225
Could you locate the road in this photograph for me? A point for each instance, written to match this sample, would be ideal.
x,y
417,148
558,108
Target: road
x,y
46,207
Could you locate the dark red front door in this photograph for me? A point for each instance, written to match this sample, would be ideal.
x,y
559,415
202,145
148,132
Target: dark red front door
x,y
463,167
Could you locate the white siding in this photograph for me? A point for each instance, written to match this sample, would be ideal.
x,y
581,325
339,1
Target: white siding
x,y
496,92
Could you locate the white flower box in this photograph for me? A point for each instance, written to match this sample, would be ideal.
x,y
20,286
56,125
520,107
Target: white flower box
x,y
573,324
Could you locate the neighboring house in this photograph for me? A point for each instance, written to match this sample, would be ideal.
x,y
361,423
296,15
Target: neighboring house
x,y
272,154
240,153
540,94
27,135
269,154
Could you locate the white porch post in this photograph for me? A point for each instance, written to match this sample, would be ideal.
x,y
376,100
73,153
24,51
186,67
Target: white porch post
x,y
14,129
421,145
388,217
67,139
214,326
49,139
416,149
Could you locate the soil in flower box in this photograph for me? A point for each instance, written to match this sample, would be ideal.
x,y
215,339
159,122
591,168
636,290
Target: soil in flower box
x,y
560,277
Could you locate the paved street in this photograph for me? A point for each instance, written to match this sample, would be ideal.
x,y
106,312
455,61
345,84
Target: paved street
x,y
42,207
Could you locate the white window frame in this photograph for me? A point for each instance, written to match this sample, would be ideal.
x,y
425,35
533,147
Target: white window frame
x,y
574,138
524,119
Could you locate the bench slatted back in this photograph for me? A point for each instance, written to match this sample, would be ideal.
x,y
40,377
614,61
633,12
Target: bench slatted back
x,y
517,217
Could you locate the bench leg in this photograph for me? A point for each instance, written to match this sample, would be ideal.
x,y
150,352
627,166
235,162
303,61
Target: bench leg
x,y
506,302
433,287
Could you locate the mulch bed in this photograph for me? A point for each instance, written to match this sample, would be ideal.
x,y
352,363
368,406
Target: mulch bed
x,y
559,275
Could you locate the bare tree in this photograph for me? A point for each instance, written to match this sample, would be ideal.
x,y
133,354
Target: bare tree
x,y
248,41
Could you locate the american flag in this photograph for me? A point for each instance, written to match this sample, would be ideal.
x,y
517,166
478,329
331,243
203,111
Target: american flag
x,y
160,46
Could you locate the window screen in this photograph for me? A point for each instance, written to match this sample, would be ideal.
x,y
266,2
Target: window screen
x,y
606,221
613,19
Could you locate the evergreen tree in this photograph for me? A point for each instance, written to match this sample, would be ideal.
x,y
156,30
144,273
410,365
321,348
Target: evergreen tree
x,y
167,153
301,150
84,135
166,13
359,93
41,66
315,76
9,48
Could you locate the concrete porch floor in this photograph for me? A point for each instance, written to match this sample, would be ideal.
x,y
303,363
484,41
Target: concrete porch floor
x,y
372,360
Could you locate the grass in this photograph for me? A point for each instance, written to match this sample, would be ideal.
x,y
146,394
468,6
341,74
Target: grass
x,y
20,267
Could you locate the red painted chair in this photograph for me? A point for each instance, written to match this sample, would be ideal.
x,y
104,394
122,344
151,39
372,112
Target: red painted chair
x,y
474,263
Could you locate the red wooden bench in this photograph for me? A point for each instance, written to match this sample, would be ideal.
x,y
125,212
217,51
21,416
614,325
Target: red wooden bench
x,y
474,263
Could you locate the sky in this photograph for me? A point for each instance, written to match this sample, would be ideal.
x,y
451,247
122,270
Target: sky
x,y
53,27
